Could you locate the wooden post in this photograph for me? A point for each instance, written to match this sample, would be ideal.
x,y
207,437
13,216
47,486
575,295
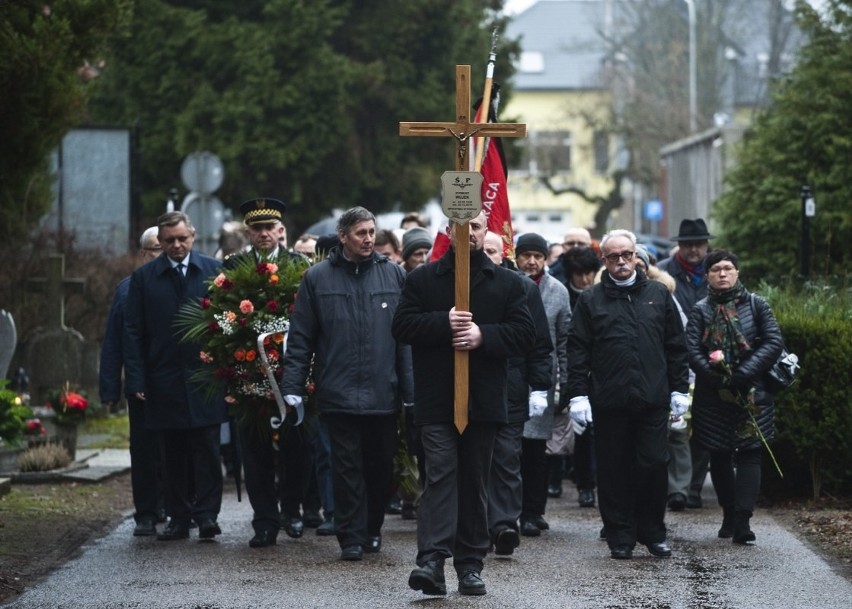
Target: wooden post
x,y
462,130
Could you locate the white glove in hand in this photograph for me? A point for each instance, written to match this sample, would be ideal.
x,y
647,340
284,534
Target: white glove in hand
x,y
538,403
680,404
580,411
677,424
294,401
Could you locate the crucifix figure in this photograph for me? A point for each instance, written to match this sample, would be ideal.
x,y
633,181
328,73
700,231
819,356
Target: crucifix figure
x,y
462,130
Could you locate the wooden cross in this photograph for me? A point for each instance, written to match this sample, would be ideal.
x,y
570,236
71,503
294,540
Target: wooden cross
x,y
462,130
56,286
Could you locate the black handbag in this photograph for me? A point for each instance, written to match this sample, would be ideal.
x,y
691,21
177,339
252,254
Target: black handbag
x,y
782,374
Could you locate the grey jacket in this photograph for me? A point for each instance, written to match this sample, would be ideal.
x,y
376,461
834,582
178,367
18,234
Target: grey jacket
x,y
342,321
557,307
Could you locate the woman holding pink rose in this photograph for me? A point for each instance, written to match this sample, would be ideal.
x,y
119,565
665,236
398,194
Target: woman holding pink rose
x,y
732,340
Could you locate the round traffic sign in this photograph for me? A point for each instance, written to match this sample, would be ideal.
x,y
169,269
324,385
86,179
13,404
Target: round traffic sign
x,y
202,172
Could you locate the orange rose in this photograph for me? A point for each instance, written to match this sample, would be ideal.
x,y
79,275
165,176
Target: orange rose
x,y
273,279
251,354
241,355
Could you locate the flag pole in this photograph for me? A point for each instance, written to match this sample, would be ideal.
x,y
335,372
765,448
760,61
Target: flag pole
x,y
486,99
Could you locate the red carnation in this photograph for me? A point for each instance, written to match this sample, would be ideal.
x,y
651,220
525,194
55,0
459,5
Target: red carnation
x,y
272,306
205,303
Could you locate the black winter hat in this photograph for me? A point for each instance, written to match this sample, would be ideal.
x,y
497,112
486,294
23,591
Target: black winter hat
x,y
531,242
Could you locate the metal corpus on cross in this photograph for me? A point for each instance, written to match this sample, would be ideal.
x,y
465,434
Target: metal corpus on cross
x,y
462,130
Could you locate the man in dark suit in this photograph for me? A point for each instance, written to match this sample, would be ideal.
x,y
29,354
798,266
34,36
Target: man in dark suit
x,y
158,368
144,443
453,519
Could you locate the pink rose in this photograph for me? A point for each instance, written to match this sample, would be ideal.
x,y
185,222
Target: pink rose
x,y
220,280
717,357
246,307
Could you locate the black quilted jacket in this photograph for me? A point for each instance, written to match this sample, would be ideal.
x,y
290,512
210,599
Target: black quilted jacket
x,y
715,422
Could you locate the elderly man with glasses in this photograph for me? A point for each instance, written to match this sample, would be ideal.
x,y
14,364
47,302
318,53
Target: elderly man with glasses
x,y
627,370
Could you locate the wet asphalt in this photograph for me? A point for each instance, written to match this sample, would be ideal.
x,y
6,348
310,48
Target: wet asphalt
x,y
567,567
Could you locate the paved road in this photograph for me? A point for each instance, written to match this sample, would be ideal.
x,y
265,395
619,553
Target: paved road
x,y
568,567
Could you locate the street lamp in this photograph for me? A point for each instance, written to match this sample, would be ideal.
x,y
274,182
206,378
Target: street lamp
x,y
693,104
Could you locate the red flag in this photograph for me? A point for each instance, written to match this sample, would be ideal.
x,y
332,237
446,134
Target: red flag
x,y
495,197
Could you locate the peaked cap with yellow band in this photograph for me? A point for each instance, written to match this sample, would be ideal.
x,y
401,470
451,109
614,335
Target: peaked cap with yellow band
x,y
262,210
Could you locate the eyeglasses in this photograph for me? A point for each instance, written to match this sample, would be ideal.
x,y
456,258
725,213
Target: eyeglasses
x,y
575,244
628,256
720,269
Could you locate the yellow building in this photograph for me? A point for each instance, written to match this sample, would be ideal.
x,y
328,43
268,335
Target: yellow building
x,y
559,94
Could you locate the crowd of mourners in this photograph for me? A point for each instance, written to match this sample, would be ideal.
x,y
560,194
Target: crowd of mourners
x,y
590,361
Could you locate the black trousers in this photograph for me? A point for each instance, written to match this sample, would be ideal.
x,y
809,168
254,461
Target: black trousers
x,y
534,472
506,487
362,451
584,461
193,473
145,463
452,520
632,450
738,489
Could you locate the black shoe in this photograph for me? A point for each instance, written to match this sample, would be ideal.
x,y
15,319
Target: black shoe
x,y
263,539
471,584
540,522
429,578
294,527
621,552
312,519
374,544
694,502
208,529
726,531
677,503
660,550
394,506
327,527
505,542
174,531
554,490
352,553
145,528
742,531
528,528
586,498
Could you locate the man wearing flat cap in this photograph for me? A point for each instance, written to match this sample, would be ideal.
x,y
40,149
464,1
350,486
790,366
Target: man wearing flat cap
x,y
688,463
261,461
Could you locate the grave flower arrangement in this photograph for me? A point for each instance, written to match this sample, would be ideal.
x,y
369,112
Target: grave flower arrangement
x,y
70,406
247,301
13,416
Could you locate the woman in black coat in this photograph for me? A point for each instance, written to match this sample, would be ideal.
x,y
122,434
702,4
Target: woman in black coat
x,y
732,340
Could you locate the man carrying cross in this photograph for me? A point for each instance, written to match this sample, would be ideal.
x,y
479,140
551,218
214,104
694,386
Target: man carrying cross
x,y
452,519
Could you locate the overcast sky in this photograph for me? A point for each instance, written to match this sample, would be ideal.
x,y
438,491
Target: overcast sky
x,y
516,6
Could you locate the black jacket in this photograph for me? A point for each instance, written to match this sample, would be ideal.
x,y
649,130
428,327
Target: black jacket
x,y
342,321
530,370
498,304
715,421
626,347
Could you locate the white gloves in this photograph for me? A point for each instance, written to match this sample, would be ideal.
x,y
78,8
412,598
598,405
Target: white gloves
x,y
680,404
538,403
294,401
677,424
580,411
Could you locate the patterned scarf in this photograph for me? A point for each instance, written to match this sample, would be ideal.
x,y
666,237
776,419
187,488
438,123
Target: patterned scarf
x,y
724,330
695,274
